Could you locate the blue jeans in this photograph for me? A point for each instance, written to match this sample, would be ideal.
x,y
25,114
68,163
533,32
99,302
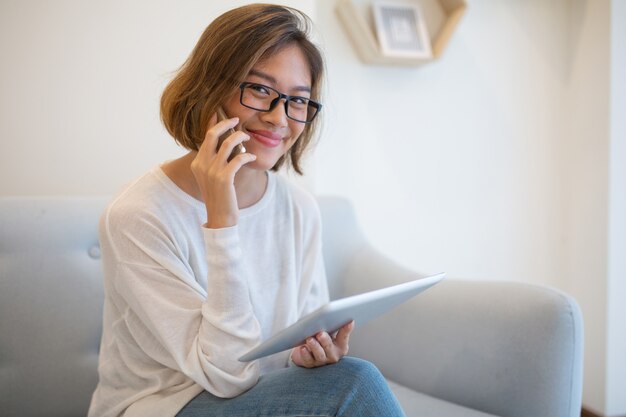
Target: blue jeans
x,y
351,387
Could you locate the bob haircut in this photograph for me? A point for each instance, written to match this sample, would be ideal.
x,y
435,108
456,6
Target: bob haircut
x,y
224,55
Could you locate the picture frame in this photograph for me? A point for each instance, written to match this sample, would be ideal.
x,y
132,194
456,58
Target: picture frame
x,y
401,29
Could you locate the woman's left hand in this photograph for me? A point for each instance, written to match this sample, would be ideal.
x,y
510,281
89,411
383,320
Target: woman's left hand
x,y
322,349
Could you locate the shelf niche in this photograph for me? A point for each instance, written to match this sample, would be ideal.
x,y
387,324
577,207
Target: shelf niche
x,y
441,16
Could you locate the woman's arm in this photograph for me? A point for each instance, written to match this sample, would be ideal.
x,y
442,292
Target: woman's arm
x,y
166,318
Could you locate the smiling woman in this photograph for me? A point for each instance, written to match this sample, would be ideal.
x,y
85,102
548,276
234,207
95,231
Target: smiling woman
x,y
198,89
208,254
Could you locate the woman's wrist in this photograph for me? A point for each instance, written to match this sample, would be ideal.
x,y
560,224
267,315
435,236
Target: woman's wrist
x,y
220,221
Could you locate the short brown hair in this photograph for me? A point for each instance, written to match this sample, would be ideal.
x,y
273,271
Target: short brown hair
x,y
225,53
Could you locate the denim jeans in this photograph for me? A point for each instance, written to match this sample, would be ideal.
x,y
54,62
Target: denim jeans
x,y
351,387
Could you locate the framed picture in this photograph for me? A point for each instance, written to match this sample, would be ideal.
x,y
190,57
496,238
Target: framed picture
x,y
401,29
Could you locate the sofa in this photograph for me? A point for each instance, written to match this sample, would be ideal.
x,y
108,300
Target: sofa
x,y
462,348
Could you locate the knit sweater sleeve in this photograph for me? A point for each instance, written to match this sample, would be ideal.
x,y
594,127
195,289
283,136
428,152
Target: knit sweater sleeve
x,y
167,318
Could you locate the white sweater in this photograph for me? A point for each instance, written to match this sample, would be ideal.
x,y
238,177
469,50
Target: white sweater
x,y
183,302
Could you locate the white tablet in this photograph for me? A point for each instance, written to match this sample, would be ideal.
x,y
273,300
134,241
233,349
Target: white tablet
x,y
332,316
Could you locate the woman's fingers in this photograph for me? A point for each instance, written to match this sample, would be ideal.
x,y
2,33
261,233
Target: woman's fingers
x,y
343,337
303,357
325,340
316,350
238,161
214,132
323,349
332,352
226,149
215,163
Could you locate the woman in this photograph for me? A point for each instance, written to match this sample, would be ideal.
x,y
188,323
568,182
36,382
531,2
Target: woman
x,y
209,254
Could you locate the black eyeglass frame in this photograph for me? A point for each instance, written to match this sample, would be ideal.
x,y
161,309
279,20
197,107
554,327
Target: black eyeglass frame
x,y
314,104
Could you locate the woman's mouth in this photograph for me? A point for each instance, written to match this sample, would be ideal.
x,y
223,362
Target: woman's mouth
x,y
267,138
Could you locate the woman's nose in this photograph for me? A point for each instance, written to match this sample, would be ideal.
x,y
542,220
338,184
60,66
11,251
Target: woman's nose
x,y
278,115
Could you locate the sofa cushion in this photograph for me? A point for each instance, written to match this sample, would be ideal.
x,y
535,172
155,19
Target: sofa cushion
x,y
421,405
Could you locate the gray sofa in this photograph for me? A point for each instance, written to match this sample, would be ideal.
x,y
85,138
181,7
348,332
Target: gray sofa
x,y
460,349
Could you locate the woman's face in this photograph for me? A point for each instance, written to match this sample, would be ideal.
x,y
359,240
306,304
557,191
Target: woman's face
x,y
272,133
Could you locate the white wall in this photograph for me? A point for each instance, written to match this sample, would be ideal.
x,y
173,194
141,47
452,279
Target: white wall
x,y
492,163
457,165
587,104
616,378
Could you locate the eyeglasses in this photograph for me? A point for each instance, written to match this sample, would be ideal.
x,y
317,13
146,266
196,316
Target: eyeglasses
x,y
263,98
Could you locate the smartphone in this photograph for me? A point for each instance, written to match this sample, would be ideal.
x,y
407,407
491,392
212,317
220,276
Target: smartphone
x,y
239,148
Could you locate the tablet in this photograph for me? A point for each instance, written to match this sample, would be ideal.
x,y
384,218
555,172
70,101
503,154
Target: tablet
x,y
361,308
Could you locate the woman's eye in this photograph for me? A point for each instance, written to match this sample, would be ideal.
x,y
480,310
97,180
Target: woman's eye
x,y
260,88
299,100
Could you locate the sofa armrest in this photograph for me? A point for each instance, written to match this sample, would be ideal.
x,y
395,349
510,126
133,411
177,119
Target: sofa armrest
x,y
504,348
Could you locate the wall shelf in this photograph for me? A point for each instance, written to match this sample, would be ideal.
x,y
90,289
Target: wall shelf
x,y
441,16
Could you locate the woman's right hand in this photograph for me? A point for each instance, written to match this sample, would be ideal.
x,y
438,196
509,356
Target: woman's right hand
x,y
215,175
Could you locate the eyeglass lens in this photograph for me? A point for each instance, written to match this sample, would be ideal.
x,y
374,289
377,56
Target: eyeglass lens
x,y
263,98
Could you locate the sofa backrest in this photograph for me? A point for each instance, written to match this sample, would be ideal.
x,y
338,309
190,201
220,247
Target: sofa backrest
x,y
342,238
50,305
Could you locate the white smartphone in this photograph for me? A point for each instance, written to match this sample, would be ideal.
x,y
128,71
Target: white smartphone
x,y
239,148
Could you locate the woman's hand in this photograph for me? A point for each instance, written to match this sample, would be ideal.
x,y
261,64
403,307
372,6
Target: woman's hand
x,y
323,349
215,175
